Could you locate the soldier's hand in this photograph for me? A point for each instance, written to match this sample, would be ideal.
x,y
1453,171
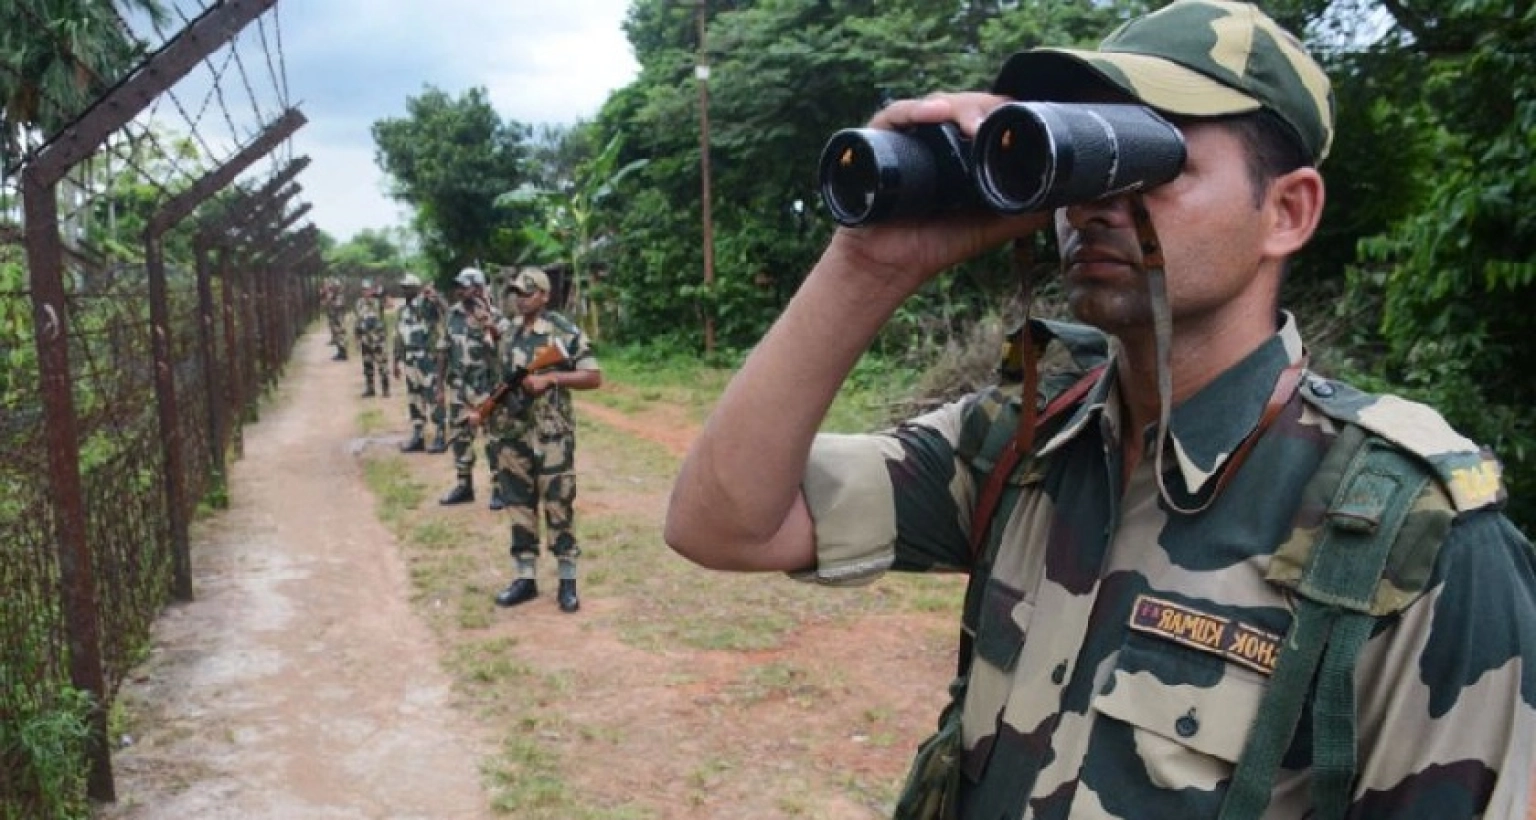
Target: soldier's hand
x,y
537,384
472,418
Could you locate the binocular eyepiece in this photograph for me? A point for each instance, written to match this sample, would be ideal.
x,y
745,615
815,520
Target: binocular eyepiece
x,y
1027,156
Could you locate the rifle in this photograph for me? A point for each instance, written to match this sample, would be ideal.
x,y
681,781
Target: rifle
x,y
548,356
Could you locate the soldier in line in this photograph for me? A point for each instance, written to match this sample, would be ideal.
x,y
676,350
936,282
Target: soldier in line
x,y
438,398
368,326
334,298
466,358
417,326
535,465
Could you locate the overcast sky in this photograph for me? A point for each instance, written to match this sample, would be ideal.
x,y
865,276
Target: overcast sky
x,y
350,63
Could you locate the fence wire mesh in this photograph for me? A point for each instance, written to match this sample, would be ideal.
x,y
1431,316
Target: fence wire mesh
x,y
143,312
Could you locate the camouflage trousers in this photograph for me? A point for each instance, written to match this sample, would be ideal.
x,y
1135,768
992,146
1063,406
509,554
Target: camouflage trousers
x,y
371,344
334,318
536,472
461,436
421,387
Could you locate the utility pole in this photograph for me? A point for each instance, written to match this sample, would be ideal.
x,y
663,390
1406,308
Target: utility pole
x,y
701,73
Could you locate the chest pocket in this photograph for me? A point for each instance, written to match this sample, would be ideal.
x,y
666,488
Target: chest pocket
x,y
1188,713
1002,622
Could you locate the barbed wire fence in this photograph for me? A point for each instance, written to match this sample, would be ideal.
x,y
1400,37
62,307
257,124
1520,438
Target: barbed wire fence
x,y
154,277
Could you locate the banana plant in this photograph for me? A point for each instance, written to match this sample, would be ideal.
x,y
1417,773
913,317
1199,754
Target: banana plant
x,y
572,228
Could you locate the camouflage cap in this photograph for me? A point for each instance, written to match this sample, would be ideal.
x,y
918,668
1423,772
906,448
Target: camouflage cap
x,y
529,280
1195,58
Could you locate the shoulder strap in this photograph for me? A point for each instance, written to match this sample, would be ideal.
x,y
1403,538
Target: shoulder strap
x,y
992,492
1017,446
1369,559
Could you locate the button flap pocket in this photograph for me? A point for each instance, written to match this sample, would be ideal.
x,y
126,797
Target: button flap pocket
x,y
1003,620
1198,702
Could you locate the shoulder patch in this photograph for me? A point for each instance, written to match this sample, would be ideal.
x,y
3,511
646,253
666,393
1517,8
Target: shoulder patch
x,y
1470,474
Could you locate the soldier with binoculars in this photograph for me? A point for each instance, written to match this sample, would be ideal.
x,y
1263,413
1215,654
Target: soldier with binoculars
x,y
1205,581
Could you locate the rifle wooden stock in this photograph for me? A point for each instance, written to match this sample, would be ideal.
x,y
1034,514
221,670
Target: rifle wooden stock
x,y
544,358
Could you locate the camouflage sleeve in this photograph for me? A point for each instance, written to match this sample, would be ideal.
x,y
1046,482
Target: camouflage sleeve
x,y
894,500
580,350
1448,692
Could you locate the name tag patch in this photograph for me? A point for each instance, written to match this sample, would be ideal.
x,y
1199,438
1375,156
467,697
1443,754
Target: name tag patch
x,y
1237,642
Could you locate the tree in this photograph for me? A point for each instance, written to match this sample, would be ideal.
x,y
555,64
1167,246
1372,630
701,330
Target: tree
x,y
56,56
1455,274
450,158
370,251
572,223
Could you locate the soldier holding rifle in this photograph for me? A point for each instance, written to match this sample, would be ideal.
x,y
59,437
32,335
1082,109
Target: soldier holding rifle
x,y
535,468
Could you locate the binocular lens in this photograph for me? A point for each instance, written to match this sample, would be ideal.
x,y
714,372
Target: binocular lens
x,y
873,175
1018,164
850,177
1031,156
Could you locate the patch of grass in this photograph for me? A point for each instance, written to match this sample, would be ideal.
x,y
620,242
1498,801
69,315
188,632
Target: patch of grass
x,y
437,534
372,421
43,749
646,596
777,680
488,662
396,491
634,380
526,782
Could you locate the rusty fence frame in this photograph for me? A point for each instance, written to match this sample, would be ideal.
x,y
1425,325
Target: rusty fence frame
x,y
265,275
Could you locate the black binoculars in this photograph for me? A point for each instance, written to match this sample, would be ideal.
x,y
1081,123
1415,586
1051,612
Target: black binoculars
x,y
1027,156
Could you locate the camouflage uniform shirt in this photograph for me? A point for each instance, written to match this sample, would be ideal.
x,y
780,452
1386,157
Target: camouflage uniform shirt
x,y
416,326
469,342
1093,692
549,413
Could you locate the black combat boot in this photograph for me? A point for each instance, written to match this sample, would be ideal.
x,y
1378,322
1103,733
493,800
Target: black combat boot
x,y
462,493
497,503
415,445
368,391
520,591
341,355
439,443
567,595
385,385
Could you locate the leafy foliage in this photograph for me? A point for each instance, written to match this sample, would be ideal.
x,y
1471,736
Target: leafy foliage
x,y
1416,277
450,158
1455,273
55,57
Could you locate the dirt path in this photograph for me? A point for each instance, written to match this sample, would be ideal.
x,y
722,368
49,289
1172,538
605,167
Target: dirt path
x,y
298,684
342,659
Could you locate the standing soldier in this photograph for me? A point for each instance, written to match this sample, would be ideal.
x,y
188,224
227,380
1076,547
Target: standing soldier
x,y
536,459
334,297
368,326
466,354
431,301
417,325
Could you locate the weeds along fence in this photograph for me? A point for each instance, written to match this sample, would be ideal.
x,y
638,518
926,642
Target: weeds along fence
x,y
149,297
